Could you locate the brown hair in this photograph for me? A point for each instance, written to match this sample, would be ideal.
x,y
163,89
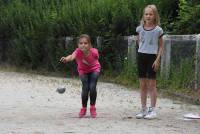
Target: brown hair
x,y
155,11
85,36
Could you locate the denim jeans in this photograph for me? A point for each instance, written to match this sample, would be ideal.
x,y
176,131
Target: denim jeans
x,y
89,83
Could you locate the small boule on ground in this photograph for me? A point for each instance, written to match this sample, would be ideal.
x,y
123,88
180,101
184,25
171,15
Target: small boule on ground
x,y
61,90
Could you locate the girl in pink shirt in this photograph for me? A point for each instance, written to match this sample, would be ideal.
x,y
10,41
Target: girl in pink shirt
x,y
88,68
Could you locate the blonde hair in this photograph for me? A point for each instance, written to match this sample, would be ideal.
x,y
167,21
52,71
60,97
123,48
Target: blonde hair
x,y
155,11
87,38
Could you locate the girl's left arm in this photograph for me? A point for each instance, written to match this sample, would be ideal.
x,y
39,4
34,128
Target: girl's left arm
x,y
160,52
161,48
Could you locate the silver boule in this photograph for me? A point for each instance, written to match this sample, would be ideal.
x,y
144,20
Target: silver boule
x,y
61,90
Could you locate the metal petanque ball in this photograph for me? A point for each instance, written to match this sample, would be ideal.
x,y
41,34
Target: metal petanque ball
x,y
61,90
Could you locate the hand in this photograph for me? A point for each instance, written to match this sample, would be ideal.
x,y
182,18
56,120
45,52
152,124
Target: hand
x,y
155,65
63,59
84,50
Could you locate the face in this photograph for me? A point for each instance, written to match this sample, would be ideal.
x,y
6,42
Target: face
x,y
149,16
84,44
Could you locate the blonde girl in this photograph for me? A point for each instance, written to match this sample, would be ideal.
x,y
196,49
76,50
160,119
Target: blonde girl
x,y
150,41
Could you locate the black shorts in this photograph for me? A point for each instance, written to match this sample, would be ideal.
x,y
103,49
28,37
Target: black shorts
x,y
145,62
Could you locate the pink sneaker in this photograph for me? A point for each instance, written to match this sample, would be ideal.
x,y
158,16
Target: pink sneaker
x,y
93,111
82,112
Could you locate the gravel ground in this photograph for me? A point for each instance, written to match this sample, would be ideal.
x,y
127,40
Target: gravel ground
x,y
29,104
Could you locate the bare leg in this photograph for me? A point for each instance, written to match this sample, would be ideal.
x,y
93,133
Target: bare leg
x,y
153,91
143,91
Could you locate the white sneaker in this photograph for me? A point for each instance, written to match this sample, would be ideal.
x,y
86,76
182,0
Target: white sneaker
x,y
151,114
143,112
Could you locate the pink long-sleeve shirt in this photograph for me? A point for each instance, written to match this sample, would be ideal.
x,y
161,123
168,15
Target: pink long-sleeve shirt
x,y
89,63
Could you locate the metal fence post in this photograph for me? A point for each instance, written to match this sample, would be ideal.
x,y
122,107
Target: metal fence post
x,y
197,68
166,57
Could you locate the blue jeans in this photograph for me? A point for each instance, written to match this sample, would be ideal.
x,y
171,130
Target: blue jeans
x,y
89,83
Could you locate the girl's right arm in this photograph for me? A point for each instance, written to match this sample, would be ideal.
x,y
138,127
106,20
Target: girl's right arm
x,y
68,58
138,29
137,40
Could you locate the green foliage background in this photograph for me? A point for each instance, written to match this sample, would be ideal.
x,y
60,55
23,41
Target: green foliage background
x,y
36,29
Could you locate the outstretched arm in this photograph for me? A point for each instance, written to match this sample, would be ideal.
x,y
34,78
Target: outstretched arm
x,y
68,58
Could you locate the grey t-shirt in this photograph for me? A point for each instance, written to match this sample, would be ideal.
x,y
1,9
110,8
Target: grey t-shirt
x,y
148,39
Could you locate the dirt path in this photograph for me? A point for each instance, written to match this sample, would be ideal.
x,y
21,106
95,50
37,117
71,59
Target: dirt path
x,y
29,104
